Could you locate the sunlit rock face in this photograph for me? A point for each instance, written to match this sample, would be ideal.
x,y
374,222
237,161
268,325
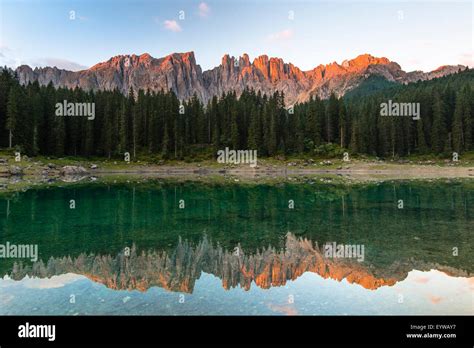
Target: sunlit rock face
x,y
178,270
180,73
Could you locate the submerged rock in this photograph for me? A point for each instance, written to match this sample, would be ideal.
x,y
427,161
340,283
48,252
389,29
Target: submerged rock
x,y
73,170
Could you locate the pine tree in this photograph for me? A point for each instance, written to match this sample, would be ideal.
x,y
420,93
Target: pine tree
x,y
421,142
439,133
342,123
166,142
6,81
354,144
468,110
254,130
35,121
13,112
137,116
312,129
108,129
458,130
332,119
123,127
234,130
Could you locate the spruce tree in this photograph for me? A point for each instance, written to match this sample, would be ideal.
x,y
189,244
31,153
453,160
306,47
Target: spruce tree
x,y
439,133
13,112
458,129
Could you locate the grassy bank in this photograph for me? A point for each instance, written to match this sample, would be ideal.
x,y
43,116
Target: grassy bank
x,y
46,171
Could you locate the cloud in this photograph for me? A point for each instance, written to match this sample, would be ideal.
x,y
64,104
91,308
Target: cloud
x,y
172,25
435,299
56,281
287,310
59,63
204,9
422,280
9,57
281,35
13,58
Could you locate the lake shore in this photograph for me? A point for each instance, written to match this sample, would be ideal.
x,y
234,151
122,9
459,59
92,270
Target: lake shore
x,y
356,170
29,172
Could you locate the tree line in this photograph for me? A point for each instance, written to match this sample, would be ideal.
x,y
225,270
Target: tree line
x,y
158,124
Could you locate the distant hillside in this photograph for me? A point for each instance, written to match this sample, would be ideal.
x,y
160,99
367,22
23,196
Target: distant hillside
x,y
370,86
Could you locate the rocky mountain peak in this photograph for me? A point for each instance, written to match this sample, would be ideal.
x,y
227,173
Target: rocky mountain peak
x,y
245,60
187,57
180,73
364,60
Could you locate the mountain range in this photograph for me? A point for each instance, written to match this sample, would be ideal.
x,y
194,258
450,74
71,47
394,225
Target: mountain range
x,y
180,73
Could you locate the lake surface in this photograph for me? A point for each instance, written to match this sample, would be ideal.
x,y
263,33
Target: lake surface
x,y
165,248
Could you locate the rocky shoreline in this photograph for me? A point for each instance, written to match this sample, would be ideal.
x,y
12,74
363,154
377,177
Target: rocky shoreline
x,y
15,176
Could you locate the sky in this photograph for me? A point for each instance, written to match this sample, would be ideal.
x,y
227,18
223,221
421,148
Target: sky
x,y
76,34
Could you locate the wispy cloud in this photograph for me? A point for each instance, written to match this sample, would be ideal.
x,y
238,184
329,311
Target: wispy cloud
x,y
9,57
435,299
281,35
422,280
57,281
204,9
287,310
5,60
172,25
13,58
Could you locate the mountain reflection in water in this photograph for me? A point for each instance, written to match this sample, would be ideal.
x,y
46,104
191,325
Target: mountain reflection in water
x,y
239,249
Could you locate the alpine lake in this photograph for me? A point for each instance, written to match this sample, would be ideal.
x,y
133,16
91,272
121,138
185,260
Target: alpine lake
x,y
165,247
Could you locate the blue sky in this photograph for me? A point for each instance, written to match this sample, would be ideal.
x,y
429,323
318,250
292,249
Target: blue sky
x,y
417,35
